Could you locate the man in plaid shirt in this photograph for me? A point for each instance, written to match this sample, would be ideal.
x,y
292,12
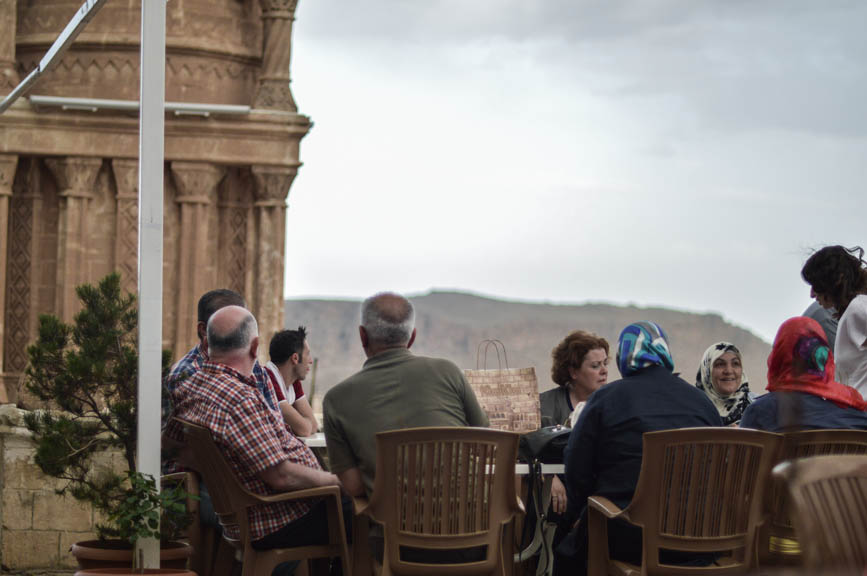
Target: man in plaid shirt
x,y
192,361
223,397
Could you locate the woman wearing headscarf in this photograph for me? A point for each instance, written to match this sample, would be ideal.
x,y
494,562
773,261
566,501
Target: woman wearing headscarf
x,y
721,376
802,393
604,451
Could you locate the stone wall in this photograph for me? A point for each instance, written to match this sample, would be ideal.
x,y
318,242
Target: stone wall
x,y
38,525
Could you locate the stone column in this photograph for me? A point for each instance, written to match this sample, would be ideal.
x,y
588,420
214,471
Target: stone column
x,y
126,217
8,164
8,21
272,189
196,184
75,178
273,90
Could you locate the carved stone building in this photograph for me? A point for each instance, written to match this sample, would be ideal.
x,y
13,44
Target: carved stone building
x,y
68,162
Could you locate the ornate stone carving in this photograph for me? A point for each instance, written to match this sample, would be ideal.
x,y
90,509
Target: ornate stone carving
x,y
126,241
273,91
235,207
75,177
18,274
8,75
196,185
272,184
272,188
8,164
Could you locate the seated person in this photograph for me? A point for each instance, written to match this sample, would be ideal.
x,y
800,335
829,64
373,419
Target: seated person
x,y
721,376
802,393
223,397
604,452
579,367
290,363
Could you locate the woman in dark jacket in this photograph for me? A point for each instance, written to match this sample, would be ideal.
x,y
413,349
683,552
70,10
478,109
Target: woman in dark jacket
x,y
802,393
604,452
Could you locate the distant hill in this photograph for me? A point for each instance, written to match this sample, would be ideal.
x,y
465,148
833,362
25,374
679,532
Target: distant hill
x,y
451,325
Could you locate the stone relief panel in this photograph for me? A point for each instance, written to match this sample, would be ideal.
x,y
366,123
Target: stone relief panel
x,y
114,75
126,222
19,284
48,225
214,50
209,79
102,230
225,26
235,215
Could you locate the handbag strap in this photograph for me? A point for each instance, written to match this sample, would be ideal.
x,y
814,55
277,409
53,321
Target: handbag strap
x,y
498,346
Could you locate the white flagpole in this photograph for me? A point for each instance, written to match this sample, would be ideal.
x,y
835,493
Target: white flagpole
x,y
150,246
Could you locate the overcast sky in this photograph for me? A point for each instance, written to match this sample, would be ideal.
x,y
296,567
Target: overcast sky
x,y
685,153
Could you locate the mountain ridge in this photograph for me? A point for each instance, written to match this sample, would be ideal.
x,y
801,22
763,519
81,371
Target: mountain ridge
x,y
451,324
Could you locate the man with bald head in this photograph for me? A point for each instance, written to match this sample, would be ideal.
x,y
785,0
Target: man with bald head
x,y
223,397
395,389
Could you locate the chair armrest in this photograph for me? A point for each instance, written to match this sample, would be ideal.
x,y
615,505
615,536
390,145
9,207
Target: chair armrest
x,y
360,505
519,505
608,508
174,477
305,494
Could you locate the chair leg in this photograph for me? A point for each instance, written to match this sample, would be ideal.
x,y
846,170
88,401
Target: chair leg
x,y
222,560
361,561
597,545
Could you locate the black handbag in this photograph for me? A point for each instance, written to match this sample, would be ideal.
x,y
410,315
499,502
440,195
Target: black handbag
x,y
544,445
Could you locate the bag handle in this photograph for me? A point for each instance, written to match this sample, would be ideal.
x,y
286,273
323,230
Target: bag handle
x,y
498,345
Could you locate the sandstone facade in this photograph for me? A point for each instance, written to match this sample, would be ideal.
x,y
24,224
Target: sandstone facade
x,y
69,198
69,177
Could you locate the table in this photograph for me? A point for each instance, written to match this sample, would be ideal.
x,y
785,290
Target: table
x,y
544,534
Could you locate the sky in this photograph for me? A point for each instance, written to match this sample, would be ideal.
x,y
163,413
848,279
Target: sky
x,y
679,153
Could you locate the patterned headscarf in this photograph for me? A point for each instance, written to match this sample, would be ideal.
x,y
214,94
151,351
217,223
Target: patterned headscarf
x,y
801,361
730,407
641,345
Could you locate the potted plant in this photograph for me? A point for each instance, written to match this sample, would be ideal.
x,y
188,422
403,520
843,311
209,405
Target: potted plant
x,y
89,370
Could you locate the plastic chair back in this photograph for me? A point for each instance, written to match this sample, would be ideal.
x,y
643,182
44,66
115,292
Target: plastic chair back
x,y
828,496
444,496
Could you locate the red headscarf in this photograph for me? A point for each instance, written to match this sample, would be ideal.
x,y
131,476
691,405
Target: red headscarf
x,y
801,361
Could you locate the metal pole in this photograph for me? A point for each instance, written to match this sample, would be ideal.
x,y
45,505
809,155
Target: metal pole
x,y
150,246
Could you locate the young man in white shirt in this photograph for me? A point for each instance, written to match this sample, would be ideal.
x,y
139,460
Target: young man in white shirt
x,y
290,363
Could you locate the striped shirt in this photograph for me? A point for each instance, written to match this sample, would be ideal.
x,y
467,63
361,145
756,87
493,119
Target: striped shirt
x,y
248,433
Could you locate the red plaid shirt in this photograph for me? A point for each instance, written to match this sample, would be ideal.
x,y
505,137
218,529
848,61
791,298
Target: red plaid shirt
x,y
248,433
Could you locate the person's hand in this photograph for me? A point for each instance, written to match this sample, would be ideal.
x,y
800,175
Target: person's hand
x,y
558,496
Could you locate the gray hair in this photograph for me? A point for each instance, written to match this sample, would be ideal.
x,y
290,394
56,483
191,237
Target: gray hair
x,y
236,339
388,319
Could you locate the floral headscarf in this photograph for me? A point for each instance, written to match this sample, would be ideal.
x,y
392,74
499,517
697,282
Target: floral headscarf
x,y
801,361
641,345
730,407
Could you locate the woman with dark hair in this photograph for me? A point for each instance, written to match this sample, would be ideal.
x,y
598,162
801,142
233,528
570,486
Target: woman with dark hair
x,y
604,452
802,393
579,366
838,279
721,376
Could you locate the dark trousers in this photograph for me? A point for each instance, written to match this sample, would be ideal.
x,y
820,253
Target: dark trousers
x,y
309,530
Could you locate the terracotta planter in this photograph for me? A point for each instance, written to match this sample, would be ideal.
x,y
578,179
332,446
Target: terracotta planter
x,y
131,572
92,554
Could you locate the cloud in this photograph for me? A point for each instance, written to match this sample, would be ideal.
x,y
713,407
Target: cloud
x,y
735,66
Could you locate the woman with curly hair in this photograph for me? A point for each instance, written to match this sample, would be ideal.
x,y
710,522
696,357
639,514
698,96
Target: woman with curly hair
x,y
838,279
579,366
